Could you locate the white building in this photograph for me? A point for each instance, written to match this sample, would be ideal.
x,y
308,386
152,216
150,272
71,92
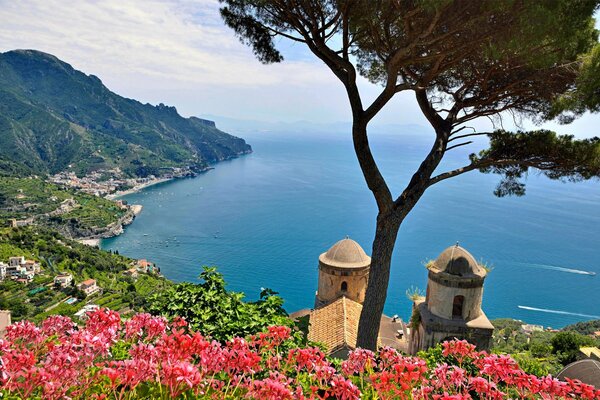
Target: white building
x,y
3,271
87,308
16,261
88,287
63,279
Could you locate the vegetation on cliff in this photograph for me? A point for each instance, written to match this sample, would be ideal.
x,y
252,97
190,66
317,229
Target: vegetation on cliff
x,y
57,254
53,117
585,327
72,213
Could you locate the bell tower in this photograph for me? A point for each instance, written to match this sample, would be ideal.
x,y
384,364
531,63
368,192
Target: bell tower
x,y
343,271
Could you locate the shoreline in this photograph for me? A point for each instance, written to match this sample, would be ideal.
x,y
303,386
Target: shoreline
x,y
137,188
135,209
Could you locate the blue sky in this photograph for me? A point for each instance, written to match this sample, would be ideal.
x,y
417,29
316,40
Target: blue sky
x,y
178,52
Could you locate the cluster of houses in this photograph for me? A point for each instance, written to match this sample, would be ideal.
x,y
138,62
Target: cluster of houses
x,y
143,266
19,269
89,286
96,182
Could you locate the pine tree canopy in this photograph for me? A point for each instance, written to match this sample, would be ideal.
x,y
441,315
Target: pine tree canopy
x,y
462,60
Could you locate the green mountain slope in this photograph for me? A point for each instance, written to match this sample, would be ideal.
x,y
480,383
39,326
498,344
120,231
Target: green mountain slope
x,y
53,116
39,298
72,213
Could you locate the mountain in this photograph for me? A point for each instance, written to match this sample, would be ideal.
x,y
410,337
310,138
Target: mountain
x,y
53,117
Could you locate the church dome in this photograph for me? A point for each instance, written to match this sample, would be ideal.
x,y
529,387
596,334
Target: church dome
x,y
459,262
345,254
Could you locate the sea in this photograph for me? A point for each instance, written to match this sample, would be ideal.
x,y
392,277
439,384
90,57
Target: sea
x,y
264,218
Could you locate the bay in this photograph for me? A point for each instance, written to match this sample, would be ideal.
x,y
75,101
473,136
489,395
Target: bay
x,y
263,220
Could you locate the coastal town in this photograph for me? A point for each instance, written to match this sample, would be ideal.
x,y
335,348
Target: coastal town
x,y
31,279
112,183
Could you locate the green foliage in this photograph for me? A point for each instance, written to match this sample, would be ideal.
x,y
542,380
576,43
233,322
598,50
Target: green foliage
x,y
209,308
566,345
53,117
32,197
585,328
556,156
58,254
533,352
415,319
585,95
536,366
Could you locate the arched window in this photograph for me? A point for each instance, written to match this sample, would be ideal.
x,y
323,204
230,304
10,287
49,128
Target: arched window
x,y
457,306
344,286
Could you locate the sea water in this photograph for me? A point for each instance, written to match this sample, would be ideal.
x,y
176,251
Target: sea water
x,y
263,219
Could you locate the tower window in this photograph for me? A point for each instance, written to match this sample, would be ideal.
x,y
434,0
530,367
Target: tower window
x,y
457,306
344,286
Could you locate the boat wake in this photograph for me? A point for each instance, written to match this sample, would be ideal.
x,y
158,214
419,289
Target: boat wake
x,y
560,269
558,312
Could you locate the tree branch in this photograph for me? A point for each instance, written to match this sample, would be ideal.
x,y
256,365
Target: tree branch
x,y
458,145
466,135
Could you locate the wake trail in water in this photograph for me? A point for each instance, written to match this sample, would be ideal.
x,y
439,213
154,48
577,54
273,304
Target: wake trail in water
x,y
558,312
556,268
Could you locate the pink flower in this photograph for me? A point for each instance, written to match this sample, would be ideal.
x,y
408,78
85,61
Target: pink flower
x,y
24,331
460,349
139,324
179,377
306,359
275,387
358,362
343,389
57,325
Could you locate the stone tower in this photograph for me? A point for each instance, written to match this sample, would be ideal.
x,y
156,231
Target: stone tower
x,y
343,271
452,306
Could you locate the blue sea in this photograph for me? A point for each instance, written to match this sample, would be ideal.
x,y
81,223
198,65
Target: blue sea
x,y
263,219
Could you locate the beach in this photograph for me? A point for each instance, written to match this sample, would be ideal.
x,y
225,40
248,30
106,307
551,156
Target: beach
x,y
137,188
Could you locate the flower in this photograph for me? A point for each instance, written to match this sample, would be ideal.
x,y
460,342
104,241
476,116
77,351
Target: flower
x,y
59,360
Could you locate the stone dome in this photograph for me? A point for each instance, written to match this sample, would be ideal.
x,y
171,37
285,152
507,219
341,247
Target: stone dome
x,y
345,254
459,262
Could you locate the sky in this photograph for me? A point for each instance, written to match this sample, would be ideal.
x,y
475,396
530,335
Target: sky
x,y
180,53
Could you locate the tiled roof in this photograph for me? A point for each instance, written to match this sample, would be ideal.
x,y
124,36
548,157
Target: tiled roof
x,y
89,282
346,254
335,324
587,371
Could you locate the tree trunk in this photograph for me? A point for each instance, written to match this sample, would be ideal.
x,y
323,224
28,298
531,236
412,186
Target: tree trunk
x,y
379,276
390,217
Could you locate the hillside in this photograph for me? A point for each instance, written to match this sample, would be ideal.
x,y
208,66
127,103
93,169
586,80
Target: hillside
x,y
39,298
72,213
53,117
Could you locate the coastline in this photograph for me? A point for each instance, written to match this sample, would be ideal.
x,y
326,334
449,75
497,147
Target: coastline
x,y
137,188
135,210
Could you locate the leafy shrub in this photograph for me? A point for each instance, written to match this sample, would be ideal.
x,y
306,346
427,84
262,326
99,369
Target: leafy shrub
x,y
566,345
211,309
